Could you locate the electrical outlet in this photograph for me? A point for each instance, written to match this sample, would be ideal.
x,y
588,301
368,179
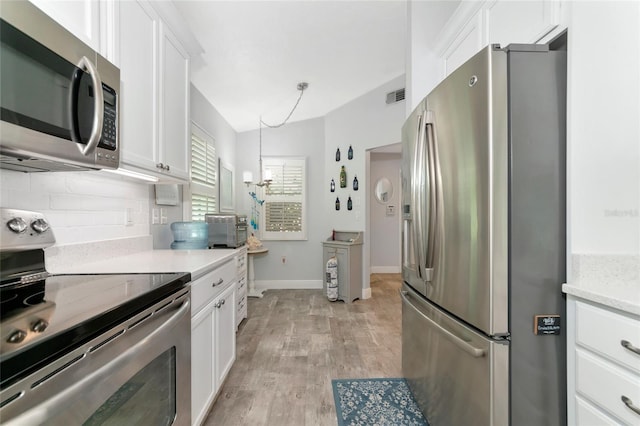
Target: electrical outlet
x,y
128,216
284,259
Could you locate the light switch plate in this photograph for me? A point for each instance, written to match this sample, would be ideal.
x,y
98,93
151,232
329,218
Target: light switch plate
x,y
128,216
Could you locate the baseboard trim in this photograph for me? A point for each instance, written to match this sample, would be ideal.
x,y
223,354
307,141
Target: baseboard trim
x,y
385,270
366,293
289,284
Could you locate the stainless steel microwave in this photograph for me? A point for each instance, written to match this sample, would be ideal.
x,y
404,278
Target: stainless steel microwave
x,y
58,97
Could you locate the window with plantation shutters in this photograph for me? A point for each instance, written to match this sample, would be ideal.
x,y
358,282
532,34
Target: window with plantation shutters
x,y
283,215
203,174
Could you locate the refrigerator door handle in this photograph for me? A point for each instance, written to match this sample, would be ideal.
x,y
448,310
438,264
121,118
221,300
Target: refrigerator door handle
x,y
417,195
434,178
471,350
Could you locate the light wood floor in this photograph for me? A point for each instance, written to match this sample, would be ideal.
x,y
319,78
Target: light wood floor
x,y
295,342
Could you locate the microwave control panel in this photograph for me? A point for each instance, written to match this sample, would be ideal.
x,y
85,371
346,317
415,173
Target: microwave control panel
x,y
109,127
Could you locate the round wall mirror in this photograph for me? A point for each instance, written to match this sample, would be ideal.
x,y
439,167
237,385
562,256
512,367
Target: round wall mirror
x,y
383,190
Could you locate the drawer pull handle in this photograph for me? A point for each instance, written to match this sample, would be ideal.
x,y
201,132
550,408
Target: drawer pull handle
x,y
220,281
629,403
627,345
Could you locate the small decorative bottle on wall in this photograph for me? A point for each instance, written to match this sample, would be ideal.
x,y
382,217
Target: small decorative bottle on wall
x,y
338,154
350,153
349,204
337,203
343,177
355,183
333,186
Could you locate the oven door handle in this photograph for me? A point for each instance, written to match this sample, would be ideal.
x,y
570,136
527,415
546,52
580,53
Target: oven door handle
x,y
42,413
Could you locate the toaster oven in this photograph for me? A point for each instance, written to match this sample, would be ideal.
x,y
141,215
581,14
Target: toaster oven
x,y
226,230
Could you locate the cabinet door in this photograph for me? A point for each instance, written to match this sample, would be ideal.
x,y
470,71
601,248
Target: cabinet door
x,y
225,334
174,122
137,51
80,17
202,374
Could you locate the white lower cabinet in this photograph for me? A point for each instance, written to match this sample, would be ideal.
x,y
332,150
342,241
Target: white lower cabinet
x,y
224,347
241,288
603,365
213,337
202,369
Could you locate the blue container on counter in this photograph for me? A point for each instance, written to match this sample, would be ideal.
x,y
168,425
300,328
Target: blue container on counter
x,y
190,235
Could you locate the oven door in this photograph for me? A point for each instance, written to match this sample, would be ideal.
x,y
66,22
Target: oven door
x,y
137,373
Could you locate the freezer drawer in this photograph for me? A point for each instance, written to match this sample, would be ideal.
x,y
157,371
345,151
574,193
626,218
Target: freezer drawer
x,y
458,376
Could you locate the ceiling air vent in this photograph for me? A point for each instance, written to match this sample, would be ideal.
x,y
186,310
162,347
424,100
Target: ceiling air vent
x,y
395,96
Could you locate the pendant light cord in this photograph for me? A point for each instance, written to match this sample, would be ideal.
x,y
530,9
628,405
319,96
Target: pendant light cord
x,y
301,87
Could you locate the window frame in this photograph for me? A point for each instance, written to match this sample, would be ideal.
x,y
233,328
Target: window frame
x,y
284,235
197,188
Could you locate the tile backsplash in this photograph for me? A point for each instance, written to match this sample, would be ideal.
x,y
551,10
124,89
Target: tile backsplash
x,y
80,206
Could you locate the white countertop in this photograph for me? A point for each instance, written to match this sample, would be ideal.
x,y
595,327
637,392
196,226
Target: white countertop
x,y
197,262
622,296
612,280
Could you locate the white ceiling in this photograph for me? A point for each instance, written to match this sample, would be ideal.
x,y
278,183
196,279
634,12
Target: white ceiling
x,y
256,52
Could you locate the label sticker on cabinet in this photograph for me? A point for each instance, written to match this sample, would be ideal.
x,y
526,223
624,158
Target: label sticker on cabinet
x,y
546,324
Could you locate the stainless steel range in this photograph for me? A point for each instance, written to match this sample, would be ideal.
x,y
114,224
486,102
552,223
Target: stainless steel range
x,y
88,349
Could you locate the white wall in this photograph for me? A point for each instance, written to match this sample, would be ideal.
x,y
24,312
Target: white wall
x,y
303,266
423,68
385,228
604,127
207,116
364,123
80,206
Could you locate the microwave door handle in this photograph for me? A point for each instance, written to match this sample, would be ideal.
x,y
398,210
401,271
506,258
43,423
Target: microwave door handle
x,y
98,107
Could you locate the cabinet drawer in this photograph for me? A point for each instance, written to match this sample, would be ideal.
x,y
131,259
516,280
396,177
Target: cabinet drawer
x,y
605,383
209,286
587,414
242,284
604,331
241,262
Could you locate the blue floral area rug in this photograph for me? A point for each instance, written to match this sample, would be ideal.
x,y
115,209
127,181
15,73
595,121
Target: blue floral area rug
x,y
380,402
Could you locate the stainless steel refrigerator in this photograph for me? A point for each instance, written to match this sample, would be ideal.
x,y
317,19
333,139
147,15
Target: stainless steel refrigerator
x,y
483,186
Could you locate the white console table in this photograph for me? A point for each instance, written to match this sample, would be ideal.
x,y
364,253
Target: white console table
x,y
252,283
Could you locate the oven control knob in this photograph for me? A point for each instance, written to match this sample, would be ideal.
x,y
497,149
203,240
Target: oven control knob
x,y
17,225
39,326
17,336
40,226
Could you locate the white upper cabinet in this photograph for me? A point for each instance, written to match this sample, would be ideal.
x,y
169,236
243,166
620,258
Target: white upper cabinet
x,y
474,25
137,57
154,98
80,17
174,101
521,21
